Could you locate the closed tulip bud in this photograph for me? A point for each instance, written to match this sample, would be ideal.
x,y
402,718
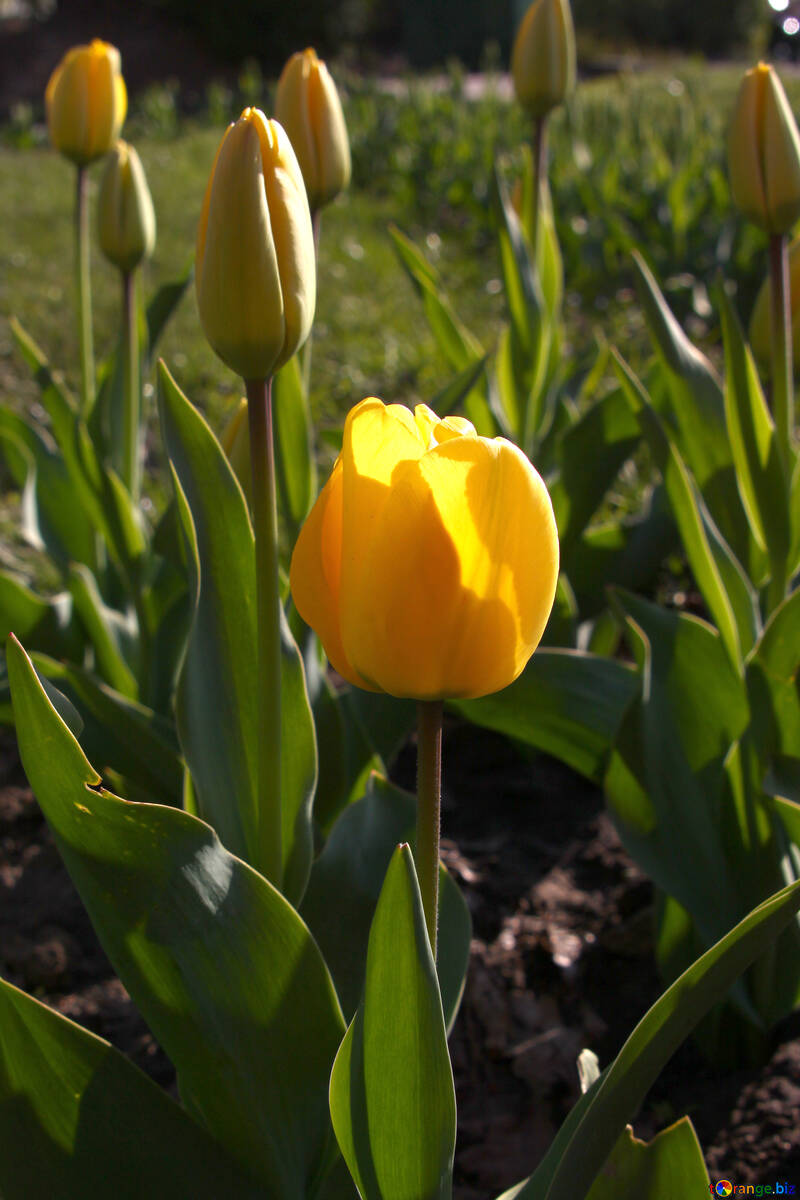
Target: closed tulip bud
x,y
428,565
760,321
764,153
235,441
308,106
255,269
86,102
543,58
126,219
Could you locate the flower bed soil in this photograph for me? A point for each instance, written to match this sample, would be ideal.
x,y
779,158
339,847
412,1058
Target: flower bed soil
x,y
561,959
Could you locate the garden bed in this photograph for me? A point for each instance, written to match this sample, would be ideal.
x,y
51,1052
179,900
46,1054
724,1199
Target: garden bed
x,y
561,959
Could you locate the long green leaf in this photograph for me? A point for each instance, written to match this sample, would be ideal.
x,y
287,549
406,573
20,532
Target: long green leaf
x,y
565,702
77,1119
217,700
221,967
295,465
392,1098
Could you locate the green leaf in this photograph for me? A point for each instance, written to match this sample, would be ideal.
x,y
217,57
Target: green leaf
x,y
103,626
217,700
731,599
762,481
77,1119
345,883
119,734
772,673
565,702
295,465
46,623
670,1165
592,1129
665,778
221,967
392,1099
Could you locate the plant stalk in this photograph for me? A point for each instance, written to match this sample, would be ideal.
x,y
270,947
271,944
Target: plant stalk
x,y
781,334
539,178
268,608
132,401
429,809
84,289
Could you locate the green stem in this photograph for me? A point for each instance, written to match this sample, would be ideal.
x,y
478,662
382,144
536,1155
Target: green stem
x,y
132,384
305,353
268,607
781,331
539,177
429,807
84,289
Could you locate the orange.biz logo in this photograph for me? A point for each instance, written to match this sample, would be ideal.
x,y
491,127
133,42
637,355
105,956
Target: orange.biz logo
x,y
724,1187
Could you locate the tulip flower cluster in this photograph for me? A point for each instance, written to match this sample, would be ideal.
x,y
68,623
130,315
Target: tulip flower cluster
x,y
270,900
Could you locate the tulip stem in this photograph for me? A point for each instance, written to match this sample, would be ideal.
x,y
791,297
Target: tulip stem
x,y
539,178
84,289
268,602
429,807
781,332
131,414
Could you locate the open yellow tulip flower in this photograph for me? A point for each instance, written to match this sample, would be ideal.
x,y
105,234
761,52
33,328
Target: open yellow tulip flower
x,y
308,107
428,565
86,102
255,268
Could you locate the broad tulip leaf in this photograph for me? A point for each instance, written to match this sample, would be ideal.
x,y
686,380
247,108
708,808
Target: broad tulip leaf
x,y
118,733
49,624
731,599
762,481
217,700
567,703
772,674
591,453
392,1099
78,1119
665,777
595,1124
221,967
671,1164
295,465
105,629
345,884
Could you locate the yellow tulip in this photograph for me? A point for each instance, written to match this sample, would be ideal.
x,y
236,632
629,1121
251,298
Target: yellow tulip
x,y
255,269
125,215
764,152
428,564
543,58
86,102
307,105
760,323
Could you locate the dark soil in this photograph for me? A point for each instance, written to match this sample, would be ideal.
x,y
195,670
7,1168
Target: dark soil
x,y
561,959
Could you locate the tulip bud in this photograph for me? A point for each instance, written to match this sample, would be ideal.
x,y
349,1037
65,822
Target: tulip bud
x,y
255,268
760,321
543,58
764,153
126,220
308,106
86,102
235,441
428,565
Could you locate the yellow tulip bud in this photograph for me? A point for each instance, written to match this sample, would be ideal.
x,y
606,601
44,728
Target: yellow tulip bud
x,y
86,102
543,58
308,107
764,152
125,215
255,269
760,321
428,565
235,441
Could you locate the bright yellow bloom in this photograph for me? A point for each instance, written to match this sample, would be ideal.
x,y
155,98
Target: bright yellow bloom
x,y
764,153
428,564
760,323
86,102
543,58
125,216
308,107
255,269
